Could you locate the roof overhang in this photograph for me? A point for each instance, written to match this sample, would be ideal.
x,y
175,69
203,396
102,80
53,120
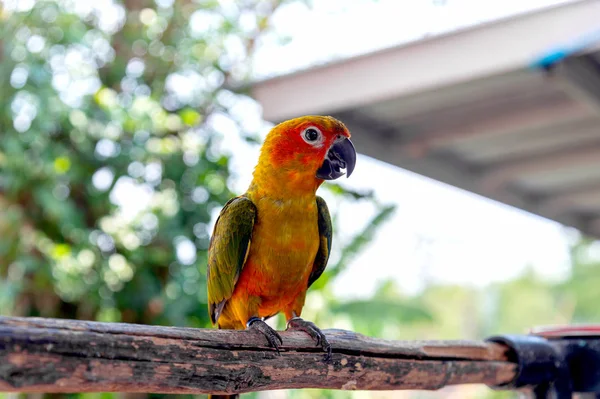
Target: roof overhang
x,y
509,110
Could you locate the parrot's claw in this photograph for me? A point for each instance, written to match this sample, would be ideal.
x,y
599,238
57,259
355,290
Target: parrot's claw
x,y
296,323
271,335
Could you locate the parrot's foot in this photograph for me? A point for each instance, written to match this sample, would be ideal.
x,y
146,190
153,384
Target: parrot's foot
x,y
271,335
297,323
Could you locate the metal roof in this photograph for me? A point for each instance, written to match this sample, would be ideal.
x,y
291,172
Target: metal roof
x,y
477,108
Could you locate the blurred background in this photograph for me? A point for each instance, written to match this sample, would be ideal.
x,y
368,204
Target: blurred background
x,y
473,210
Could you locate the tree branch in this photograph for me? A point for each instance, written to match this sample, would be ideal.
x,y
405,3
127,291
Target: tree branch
x,y
51,355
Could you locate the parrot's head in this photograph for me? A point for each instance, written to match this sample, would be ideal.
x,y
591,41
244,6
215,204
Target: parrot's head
x,y
306,151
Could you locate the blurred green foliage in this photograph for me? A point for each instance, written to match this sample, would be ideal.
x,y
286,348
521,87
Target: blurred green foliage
x,y
113,159
110,167
115,123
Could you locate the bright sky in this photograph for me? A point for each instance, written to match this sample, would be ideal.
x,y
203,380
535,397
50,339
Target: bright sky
x,y
334,29
438,233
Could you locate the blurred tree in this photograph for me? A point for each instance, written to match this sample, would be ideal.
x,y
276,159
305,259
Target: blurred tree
x,y
111,166
577,296
117,130
537,305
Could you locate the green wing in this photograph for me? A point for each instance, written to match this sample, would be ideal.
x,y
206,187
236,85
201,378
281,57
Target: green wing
x,y
325,232
227,252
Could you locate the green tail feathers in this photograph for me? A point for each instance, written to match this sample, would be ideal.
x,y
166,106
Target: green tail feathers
x,y
236,396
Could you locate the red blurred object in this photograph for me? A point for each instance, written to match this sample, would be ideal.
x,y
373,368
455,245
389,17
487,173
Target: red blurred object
x,y
582,330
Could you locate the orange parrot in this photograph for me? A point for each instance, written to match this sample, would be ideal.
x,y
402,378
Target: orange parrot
x,y
271,243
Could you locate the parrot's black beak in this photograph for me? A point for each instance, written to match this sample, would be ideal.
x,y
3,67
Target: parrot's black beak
x,y
341,155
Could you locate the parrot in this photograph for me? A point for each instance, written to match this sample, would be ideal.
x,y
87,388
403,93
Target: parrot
x,y
270,244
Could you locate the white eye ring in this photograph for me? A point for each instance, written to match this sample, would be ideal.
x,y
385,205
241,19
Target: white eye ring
x,y
312,135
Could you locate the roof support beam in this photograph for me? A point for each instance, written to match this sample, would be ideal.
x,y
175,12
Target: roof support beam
x,y
501,175
594,227
565,135
580,77
559,203
538,116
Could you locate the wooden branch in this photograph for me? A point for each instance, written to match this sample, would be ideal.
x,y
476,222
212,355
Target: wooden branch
x,y
50,355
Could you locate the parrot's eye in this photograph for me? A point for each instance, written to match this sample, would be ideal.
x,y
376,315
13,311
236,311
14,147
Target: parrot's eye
x,y
311,135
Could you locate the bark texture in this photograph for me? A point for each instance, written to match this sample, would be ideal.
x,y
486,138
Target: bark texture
x,y
52,355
